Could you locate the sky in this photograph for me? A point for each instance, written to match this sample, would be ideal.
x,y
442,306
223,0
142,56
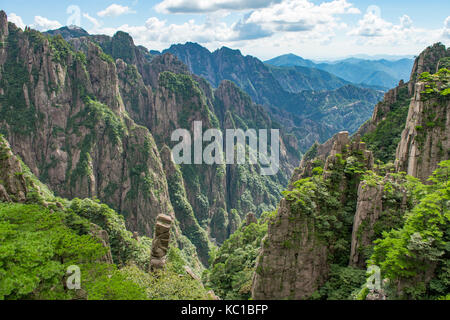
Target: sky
x,y
313,29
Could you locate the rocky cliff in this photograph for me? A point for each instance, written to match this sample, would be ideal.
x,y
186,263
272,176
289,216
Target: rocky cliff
x,y
343,197
425,140
310,231
63,113
91,115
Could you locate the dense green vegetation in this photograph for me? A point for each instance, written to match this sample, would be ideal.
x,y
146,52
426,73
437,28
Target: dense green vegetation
x,y
343,284
415,258
384,139
233,265
39,244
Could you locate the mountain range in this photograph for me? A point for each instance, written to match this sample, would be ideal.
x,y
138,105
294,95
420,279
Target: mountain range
x,y
381,73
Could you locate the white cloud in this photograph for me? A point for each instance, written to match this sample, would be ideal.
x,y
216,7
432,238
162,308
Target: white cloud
x,y
115,10
44,24
376,33
371,25
17,20
446,30
202,6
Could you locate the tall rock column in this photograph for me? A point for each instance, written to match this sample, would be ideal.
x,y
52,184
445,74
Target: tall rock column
x,y
3,36
161,240
370,203
426,139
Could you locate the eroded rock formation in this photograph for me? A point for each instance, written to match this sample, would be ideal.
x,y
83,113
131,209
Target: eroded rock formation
x,y
13,187
161,240
295,259
426,138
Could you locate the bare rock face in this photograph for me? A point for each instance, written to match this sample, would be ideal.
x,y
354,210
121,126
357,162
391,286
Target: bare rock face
x,y
13,186
427,61
103,237
287,270
320,152
250,218
294,260
161,240
425,140
368,211
3,35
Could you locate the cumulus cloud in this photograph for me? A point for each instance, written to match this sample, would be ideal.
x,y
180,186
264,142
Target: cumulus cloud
x,y
446,30
115,10
305,20
202,6
301,15
44,24
371,25
249,31
17,20
373,30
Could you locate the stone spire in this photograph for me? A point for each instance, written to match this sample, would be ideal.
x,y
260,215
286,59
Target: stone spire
x,y
3,25
161,240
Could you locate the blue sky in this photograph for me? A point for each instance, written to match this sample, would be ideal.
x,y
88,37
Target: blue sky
x,y
314,29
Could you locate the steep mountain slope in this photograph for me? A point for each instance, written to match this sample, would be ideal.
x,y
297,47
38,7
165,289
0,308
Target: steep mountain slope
x,y
295,79
383,131
63,114
93,122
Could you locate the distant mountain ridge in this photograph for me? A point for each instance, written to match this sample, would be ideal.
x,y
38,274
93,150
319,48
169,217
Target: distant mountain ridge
x,y
70,32
382,72
310,103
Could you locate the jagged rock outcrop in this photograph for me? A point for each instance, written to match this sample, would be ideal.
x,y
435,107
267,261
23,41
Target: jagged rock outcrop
x,y
103,237
295,258
13,186
285,270
426,138
250,218
368,210
427,61
319,154
161,240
